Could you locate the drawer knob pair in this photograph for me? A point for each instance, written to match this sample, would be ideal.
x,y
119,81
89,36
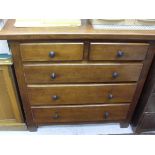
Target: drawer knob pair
x,y
56,115
120,54
52,54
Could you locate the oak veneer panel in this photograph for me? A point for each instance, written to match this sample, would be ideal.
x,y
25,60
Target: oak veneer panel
x,y
40,51
6,112
10,110
80,94
87,113
22,85
76,73
108,51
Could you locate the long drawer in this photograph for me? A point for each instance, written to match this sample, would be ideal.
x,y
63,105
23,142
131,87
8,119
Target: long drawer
x,y
77,73
118,51
80,94
73,114
51,51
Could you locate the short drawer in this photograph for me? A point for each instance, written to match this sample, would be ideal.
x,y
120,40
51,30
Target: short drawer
x,y
51,51
118,51
74,114
78,73
80,94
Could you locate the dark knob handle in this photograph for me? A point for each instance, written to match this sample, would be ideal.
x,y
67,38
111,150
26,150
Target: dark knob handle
x,y
55,97
106,115
53,75
110,96
52,54
120,53
115,74
55,116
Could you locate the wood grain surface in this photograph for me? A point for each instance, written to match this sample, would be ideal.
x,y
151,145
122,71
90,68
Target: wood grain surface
x,y
69,114
80,72
41,51
86,31
80,94
109,51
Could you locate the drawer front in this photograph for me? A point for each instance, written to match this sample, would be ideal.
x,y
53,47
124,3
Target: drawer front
x,y
118,51
73,114
51,51
80,94
76,73
148,121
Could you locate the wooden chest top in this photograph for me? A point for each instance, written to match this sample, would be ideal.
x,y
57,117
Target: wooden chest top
x,y
10,32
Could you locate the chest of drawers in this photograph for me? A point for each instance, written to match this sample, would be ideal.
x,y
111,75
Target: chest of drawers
x,y
79,78
63,86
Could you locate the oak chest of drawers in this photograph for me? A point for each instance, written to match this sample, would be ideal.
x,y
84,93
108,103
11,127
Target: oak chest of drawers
x,y
78,82
79,78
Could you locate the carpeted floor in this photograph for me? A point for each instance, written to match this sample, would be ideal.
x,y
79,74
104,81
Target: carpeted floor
x,y
85,129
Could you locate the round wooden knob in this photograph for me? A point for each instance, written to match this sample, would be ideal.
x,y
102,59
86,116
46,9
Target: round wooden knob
x,y
53,76
55,116
110,96
106,115
115,74
52,54
55,97
120,53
